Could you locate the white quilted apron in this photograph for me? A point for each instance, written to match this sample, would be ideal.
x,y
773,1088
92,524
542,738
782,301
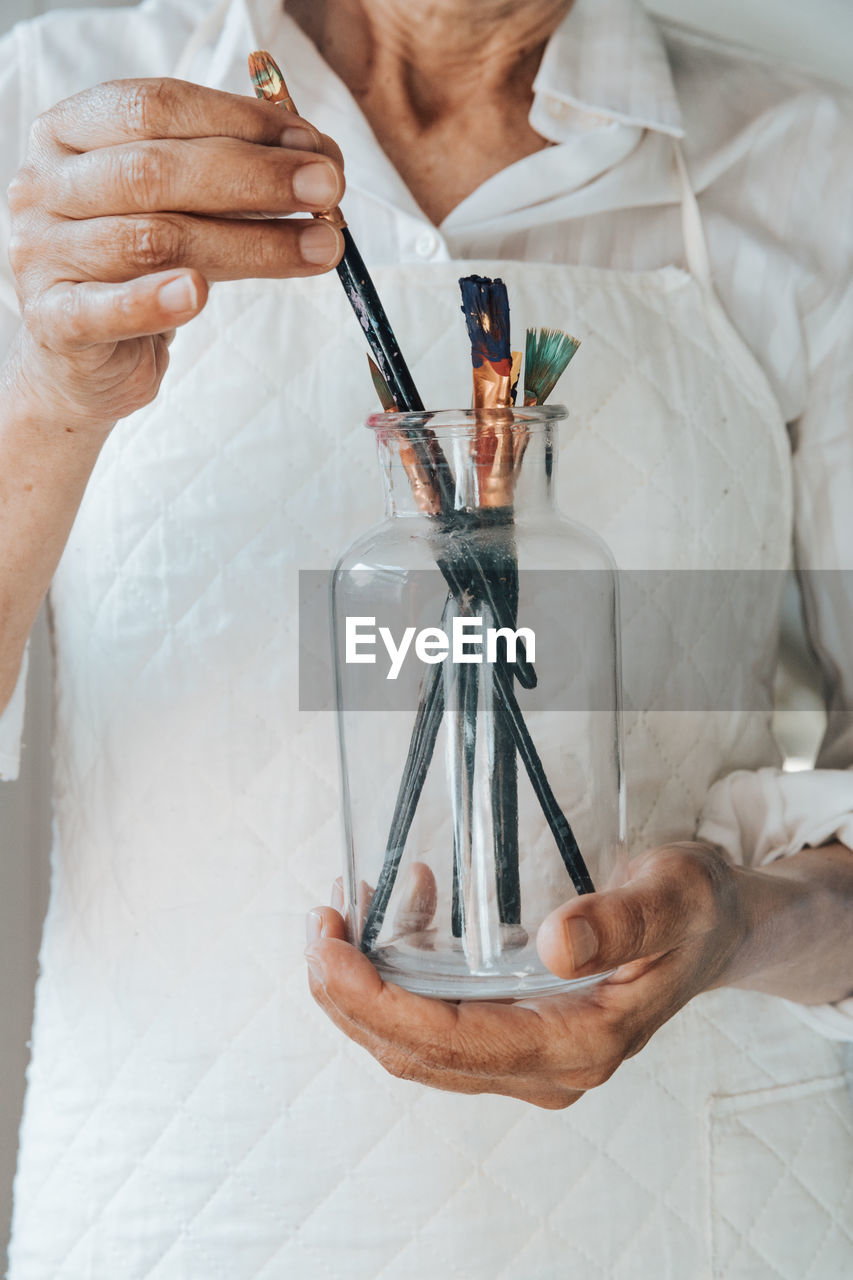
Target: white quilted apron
x,y
190,1114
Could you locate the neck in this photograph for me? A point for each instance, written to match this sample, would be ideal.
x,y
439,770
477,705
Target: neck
x,y
437,57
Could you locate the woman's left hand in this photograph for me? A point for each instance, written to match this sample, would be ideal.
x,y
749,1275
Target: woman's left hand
x,y
675,928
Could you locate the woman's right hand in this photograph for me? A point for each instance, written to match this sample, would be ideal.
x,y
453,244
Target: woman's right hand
x,y
133,196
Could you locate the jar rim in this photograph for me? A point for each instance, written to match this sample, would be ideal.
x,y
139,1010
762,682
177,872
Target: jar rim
x,y
448,419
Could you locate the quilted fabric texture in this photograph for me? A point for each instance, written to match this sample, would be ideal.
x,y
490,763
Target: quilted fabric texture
x,y
752,1126
190,1113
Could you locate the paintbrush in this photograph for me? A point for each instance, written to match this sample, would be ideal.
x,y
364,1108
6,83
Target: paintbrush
x,y
429,714
485,306
269,83
547,353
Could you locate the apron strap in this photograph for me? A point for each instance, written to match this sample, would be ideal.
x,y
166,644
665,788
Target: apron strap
x,y
695,244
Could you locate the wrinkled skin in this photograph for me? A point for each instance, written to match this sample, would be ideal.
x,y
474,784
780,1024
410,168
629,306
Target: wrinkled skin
x,y
137,185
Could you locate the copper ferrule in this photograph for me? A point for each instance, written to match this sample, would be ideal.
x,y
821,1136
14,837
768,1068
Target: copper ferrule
x,y
493,451
423,491
496,490
334,217
491,389
493,442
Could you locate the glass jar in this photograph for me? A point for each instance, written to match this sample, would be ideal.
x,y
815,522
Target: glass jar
x,y
476,637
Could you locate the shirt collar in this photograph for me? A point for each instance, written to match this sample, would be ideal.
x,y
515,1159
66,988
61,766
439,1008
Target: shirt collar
x,y
607,58
604,78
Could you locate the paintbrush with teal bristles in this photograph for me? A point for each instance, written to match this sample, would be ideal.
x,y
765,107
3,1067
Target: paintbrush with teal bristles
x,y
547,353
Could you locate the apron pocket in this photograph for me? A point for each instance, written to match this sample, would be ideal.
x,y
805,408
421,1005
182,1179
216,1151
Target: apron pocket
x,y
781,1179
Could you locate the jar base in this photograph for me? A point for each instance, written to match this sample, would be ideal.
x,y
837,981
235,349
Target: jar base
x,y
446,975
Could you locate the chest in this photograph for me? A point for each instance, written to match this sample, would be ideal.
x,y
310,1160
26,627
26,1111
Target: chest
x,y
444,164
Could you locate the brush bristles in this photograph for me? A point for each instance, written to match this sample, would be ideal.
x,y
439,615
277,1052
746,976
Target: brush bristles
x,y
546,356
485,306
267,79
381,387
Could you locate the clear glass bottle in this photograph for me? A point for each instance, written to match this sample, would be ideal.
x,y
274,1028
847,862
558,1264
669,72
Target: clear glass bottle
x,y
482,787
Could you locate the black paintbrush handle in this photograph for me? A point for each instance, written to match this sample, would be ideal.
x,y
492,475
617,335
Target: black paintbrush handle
x,y
465,728
370,313
504,781
465,572
421,746
505,818
481,571
367,306
557,821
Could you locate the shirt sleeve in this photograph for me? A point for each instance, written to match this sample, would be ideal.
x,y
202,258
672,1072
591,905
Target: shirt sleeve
x,y
759,817
11,145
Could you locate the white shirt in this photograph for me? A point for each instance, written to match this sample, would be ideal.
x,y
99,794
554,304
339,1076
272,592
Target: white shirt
x,y
770,154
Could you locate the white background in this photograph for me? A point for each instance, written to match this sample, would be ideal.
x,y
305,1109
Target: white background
x,y
817,35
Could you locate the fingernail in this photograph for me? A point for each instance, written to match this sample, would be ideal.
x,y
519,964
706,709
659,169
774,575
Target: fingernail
x,y
582,941
315,184
298,139
315,967
179,294
319,244
313,926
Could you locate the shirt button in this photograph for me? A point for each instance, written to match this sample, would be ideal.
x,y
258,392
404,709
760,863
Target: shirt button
x,y
426,244
557,108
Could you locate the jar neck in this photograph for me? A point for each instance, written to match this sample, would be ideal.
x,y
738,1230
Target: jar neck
x,y
490,461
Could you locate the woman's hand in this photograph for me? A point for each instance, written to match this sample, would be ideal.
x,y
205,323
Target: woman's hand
x,y
678,926
135,195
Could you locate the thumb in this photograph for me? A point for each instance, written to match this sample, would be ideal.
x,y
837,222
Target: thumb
x,y
601,931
